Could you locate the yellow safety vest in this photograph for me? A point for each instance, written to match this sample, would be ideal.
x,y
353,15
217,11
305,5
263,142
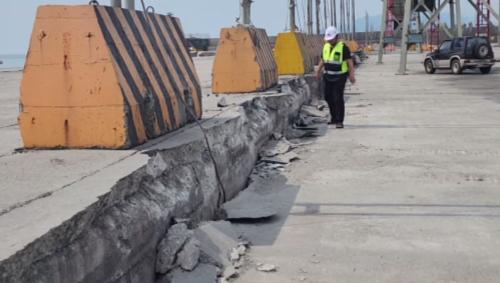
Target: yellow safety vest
x,y
333,57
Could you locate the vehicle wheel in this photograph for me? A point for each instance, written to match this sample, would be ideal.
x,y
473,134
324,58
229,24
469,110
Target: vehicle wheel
x,y
429,67
455,67
485,70
482,51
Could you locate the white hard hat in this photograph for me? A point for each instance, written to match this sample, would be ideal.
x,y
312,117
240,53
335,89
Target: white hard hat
x,y
331,33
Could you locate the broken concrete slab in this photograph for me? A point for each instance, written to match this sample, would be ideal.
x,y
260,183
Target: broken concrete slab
x,y
188,257
170,246
282,159
230,272
203,273
313,111
217,239
275,147
127,219
251,204
297,132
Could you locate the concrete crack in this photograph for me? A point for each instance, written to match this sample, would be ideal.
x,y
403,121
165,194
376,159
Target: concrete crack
x,y
8,126
48,194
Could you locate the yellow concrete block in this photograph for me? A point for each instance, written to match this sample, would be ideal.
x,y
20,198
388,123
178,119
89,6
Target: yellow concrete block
x,y
292,54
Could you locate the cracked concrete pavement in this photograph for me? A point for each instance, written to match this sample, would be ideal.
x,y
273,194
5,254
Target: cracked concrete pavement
x,y
408,192
41,189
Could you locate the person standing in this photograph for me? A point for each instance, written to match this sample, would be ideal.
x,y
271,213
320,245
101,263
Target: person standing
x,y
336,66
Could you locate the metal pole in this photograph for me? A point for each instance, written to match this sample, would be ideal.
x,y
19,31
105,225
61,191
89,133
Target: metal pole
x,y
325,12
130,4
452,16
116,3
404,40
335,14
318,7
293,26
460,29
246,6
348,18
492,11
341,16
332,13
367,26
419,24
309,17
353,21
383,27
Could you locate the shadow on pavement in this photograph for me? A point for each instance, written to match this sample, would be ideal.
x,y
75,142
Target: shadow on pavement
x,y
266,231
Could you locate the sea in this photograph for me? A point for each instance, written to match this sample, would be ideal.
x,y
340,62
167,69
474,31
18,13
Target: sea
x,y
12,62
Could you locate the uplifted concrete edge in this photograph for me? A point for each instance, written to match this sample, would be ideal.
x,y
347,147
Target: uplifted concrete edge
x,y
115,239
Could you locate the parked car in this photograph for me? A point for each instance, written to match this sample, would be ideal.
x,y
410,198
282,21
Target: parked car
x,y
199,44
461,53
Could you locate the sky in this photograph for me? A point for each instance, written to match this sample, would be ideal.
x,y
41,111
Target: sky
x,y
199,17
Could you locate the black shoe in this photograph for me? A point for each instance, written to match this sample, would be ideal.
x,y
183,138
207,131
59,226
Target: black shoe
x,y
339,126
331,123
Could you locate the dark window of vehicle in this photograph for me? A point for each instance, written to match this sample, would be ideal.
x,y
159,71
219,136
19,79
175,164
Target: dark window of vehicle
x,y
459,44
445,46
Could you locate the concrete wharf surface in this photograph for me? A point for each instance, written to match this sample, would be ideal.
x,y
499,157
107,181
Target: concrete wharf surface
x,y
408,192
40,189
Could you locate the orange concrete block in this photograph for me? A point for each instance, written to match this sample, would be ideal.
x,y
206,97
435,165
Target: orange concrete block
x,y
353,46
244,61
102,77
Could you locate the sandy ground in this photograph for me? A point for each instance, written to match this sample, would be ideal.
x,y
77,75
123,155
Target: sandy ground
x,y
408,192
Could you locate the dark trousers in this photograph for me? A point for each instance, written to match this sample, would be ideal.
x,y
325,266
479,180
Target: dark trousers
x,y
334,96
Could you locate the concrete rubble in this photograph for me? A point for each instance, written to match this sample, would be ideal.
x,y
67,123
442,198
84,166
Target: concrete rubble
x,y
253,203
204,273
222,103
120,237
310,122
212,251
266,267
170,246
189,255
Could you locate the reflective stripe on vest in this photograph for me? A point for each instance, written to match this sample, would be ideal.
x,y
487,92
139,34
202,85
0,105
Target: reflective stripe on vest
x,y
333,57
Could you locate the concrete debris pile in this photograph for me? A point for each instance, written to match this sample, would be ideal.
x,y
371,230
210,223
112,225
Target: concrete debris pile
x,y
278,152
213,252
178,180
255,203
311,122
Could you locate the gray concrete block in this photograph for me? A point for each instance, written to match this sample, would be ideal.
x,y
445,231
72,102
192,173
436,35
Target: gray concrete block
x,y
204,273
188,257
170,246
